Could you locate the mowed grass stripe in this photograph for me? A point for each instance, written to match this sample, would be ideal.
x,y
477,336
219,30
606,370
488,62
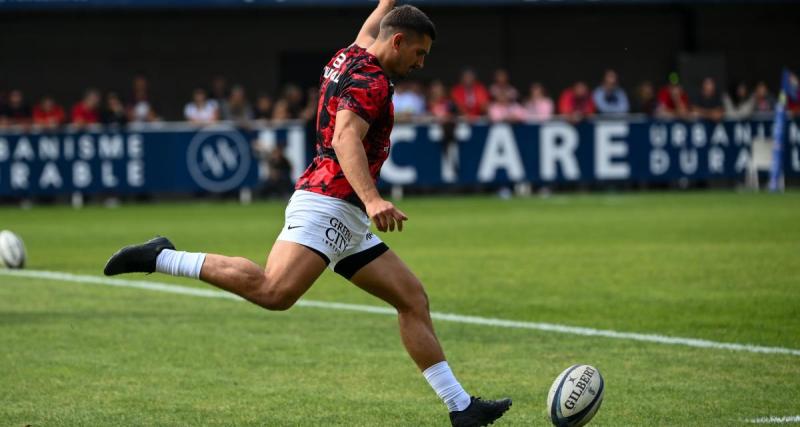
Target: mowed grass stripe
x,y
449,317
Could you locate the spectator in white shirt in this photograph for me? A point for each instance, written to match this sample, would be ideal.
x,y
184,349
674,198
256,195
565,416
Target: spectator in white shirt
x,y
201,110
609,98
408,103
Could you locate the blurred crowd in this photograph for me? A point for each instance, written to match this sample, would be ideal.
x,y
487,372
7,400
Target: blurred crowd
x,y
469,99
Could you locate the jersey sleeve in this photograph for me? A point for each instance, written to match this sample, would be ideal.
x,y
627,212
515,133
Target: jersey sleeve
x,y
365,92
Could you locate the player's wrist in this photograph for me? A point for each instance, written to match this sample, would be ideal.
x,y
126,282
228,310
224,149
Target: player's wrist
x,y
372,200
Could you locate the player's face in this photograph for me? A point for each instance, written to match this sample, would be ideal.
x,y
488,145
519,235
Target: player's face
x,y
411,52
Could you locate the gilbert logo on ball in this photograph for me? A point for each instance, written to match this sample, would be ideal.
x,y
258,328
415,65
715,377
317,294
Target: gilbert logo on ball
x,y
575,396
12,250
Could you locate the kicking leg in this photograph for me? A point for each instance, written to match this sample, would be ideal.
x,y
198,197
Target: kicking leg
x,y
291,269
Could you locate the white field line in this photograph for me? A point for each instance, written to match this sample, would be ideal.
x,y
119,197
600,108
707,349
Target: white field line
x,y
448,317
774,420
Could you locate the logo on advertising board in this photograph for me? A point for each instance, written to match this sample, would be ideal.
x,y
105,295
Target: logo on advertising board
x,y
218,158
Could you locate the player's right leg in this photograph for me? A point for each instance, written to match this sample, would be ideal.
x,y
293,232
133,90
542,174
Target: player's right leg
x,y
291,269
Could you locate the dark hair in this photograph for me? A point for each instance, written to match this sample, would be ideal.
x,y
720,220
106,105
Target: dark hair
x,y
408,17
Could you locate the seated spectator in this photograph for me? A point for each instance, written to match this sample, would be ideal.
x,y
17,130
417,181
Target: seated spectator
x,y
539,106
309,113
219,89
504,110
763,101
275,171
263,110
279,180
673,102
708,105
793,99
281,112
646,102
470,96
17,111
609,97
440,106
140,109
48,114
236,108
113,112
740,105
293,96
576,103
502,86
201,110
408,104
86,112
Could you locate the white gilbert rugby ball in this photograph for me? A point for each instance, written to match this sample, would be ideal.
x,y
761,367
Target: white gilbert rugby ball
x,y
575,396
12,250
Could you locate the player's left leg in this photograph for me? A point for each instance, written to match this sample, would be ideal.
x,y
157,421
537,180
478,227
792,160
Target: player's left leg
x,y
388,278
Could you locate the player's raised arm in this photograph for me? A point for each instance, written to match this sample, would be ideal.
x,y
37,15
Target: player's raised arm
x,y
369,31
350,131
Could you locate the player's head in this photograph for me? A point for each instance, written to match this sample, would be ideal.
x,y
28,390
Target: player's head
x,y
409,33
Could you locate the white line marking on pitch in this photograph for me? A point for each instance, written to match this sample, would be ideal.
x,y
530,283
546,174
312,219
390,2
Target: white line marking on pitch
x,y
774,420
457,318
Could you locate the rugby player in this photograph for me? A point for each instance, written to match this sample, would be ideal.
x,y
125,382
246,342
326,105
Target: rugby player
x,y
328,217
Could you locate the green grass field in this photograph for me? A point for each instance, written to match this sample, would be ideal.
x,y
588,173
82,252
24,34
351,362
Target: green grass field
x,y
715,266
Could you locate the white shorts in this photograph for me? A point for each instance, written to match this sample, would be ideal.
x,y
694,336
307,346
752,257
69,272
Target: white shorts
x,y
336,230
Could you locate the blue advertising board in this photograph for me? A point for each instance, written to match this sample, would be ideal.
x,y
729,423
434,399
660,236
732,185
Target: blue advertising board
x,y
220,158
603,150
214,159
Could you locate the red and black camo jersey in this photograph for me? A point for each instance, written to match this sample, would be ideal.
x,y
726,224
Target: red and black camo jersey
x,y
353,80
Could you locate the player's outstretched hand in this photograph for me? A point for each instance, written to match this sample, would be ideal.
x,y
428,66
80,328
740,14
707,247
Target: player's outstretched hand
x,y
386,216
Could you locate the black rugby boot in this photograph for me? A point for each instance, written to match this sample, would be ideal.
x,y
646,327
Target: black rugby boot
x,y
480,412
139,258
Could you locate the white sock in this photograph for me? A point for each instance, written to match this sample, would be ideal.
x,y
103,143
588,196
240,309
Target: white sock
x,y
180,263
444,383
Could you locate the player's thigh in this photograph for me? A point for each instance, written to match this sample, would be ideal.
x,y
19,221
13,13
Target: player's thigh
x,y
292,268
389,278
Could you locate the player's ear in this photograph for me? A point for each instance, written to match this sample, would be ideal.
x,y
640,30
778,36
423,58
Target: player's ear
x,y
397,39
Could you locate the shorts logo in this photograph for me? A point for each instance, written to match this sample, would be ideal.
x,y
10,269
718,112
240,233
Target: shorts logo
x,y
369,236
338,236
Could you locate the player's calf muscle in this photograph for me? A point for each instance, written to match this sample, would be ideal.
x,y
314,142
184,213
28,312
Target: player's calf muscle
x,y
234,274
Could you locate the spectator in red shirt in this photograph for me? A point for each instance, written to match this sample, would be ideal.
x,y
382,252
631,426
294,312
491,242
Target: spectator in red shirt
x,y
673,102
48,114
86,112
470,96
17,112
576,103
440,105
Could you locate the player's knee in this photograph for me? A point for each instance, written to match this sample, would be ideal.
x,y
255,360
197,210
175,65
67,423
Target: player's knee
x,y
415,300
275,297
